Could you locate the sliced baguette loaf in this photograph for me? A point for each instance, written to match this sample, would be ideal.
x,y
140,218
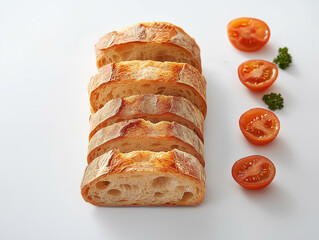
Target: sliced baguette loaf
x,y
138,134
143,178
154,108
124,79
157,41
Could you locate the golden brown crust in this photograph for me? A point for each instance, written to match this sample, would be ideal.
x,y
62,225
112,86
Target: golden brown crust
x,y
172,162
132,161
151,32
151,72
140,133
149,106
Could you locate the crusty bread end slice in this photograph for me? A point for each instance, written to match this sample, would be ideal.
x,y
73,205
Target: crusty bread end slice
x,y
158,41
143,178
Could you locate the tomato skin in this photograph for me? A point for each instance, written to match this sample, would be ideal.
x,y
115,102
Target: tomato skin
x,y
257,75
259,126
254,172
248,34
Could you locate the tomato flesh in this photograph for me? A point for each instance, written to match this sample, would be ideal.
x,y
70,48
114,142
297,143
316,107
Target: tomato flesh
x,y
257,75
259,126
254,172
248,34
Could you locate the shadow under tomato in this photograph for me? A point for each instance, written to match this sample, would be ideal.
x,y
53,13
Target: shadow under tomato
x,y
272,199
257,95
268,53
278,151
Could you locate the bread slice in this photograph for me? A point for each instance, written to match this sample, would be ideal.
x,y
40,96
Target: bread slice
x,y
144,178
159,41
124,79
138,134
154,108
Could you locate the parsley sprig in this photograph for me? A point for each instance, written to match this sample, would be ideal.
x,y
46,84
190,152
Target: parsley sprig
x,y
274,101
283,58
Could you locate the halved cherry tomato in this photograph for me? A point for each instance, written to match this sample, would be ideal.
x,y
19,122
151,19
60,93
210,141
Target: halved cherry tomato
x,y
254,172
259,126
248,34
257,75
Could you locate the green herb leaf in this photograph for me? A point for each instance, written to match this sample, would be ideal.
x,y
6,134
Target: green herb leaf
x,y
274,101
283,58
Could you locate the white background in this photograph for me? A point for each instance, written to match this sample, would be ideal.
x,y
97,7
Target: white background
x,y
46,60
